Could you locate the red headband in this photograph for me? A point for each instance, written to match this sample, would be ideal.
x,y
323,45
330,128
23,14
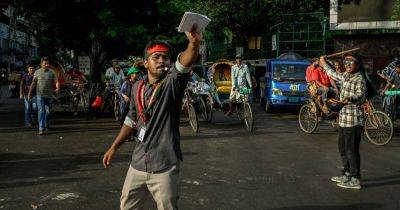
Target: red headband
x,y
157,48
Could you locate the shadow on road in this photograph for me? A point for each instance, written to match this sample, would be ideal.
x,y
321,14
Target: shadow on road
x,y
38,182
382,181
41,168
363,206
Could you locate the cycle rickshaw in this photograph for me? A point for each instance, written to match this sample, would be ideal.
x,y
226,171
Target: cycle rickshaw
x,y
378,127
218,99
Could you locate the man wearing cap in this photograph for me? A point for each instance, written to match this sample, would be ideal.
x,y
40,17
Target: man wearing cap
x,y
125,94
157,100
109,71
241,78
117,77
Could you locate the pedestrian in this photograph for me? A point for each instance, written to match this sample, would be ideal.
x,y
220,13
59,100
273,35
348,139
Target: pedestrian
x,y
43,81
125,97
114,64
326,86
338,66
351,117
155,165
241,78
75,77
117,78
30,104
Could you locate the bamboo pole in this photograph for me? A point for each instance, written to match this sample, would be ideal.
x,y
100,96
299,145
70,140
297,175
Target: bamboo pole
x,y
342,52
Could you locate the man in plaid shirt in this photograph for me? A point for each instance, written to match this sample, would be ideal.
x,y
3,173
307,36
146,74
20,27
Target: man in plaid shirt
x,y
351,118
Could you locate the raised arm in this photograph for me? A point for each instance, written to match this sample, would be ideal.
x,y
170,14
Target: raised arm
x,y
189,56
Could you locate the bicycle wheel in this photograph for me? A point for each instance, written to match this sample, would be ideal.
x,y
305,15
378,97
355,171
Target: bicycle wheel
x,y
209,103
308,119
116,107
193,118
203,108
240,111
84,102
248,116
378,128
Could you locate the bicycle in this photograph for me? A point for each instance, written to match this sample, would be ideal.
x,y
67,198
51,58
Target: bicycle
x,y
378,127
189,109
245,110
111,101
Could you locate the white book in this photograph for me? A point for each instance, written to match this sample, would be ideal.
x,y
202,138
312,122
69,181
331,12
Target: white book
x,y
190,18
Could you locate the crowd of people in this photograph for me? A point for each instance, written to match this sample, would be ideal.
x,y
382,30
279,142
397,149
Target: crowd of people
x,y
38,88
149,104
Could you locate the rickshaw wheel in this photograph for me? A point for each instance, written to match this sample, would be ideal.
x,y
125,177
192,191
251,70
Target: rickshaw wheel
x,y
378,128
203,109
209,103
268,107
308,120
116,108
248,116
83,101
335,124
193,118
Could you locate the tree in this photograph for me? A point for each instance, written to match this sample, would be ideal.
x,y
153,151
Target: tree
x,y
109,28
100,28
246,18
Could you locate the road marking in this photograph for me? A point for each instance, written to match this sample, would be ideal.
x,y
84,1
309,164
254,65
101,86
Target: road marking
x,y
64,196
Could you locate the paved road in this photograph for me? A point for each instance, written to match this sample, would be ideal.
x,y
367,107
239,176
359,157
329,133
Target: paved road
x,y
277,167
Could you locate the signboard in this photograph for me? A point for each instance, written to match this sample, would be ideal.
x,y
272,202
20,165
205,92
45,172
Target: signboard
x,y
239,51
365,14
84,64
273,42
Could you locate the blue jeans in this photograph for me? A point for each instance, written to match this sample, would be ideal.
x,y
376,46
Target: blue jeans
x,y
30,108
44,110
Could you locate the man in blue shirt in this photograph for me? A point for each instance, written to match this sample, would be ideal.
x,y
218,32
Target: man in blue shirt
x,y
30,105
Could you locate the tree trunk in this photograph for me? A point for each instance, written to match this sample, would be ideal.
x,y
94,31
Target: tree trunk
x,y
96,60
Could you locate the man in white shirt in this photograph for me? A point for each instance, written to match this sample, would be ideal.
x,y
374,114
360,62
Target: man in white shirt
x,y
110,70
241,79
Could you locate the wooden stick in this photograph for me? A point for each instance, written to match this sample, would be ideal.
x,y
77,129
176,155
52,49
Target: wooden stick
x,y
343,52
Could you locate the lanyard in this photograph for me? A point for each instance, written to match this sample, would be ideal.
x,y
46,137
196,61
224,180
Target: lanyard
x,y
141,102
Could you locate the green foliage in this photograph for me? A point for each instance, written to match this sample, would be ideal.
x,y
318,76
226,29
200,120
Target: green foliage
x,y
124,26
396,11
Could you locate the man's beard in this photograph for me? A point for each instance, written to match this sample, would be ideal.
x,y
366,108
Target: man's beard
x,y
159,73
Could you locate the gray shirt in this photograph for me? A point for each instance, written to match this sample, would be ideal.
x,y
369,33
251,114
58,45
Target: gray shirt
x,y
45,79
160,148
117,78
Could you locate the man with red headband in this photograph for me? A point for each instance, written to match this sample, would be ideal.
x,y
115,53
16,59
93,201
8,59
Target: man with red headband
x,y
157,101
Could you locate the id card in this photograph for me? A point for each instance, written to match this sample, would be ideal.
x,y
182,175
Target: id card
x,y
142,131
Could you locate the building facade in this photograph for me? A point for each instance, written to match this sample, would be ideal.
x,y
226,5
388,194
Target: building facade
x,y
17,46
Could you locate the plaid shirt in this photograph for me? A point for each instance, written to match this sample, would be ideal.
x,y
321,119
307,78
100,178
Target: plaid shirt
x,y
353,88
